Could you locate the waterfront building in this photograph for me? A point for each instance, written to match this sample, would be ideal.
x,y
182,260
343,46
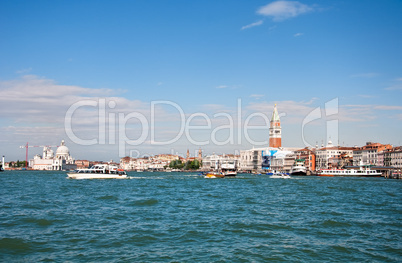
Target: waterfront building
x,y
324,154
393,157
368,154
157,162
308,155
260,159
132,164
250,160
275,133
199,158
62,161
225,161
340,161
380,158
283,163
82,164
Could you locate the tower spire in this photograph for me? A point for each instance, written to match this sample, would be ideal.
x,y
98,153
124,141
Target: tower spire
x,y
275,134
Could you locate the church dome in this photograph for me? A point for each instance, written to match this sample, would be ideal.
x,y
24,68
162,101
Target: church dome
x,y
62,149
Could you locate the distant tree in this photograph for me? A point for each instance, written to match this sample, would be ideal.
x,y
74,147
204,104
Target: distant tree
x,y
192,165
176,164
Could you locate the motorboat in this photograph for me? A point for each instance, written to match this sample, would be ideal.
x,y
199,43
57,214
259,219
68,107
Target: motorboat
x,y
280,175
230,173
214,175
99,171
298,168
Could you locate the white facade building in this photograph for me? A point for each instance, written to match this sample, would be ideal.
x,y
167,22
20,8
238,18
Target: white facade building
x,y
224,162
265,158
369,154
330,151
396,157
62,160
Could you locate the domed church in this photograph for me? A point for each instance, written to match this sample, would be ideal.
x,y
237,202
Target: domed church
x,y
62,160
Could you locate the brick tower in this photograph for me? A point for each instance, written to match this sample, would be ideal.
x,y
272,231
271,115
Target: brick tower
x,y
275,139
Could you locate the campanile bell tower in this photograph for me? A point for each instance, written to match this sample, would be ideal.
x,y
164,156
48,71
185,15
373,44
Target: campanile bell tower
x,y
275,134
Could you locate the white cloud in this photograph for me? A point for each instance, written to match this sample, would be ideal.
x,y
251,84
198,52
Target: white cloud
x,y
282,10
387,107
298,34
222,87
257,96
394,87
24,71
258,23
366,96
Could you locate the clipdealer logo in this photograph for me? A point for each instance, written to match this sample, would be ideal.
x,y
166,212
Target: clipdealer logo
x,y
237,126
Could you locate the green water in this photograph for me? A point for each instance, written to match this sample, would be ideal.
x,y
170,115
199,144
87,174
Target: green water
x,y
181,217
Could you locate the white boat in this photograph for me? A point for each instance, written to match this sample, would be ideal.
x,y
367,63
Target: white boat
x,y
280,175
298,168
99,171
2,165
230,173
364,170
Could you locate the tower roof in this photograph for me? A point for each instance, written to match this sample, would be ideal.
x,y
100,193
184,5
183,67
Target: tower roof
x,y
275,115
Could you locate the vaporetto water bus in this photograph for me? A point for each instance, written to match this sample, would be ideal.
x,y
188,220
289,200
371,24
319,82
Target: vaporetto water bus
x,y
99,171
364,170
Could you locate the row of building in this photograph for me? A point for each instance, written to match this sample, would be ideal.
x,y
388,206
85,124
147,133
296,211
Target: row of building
x,y
155,163
280,159
274,157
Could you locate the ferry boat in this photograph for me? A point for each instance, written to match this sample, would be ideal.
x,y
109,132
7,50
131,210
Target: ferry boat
x,y
364,171
298,168
99,171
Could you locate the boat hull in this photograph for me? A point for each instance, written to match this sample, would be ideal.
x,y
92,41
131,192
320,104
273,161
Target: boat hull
x,y
300,173
280,176
96,176
214,175
230,174
348,175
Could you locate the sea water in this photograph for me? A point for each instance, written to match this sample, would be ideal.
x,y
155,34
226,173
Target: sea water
x,y
183,217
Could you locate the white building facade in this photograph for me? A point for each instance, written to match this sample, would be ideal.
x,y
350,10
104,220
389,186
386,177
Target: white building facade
x,y
330,151
48,161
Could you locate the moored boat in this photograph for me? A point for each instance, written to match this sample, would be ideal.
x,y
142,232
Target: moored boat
x,y
99,171
298,168
363,171
2,165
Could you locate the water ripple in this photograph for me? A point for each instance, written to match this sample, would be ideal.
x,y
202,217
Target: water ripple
x,y
182,217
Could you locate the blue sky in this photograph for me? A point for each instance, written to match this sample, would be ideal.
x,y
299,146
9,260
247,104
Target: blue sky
x,y
204,56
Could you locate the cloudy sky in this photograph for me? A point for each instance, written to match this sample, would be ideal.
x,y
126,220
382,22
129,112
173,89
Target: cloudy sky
x,y
114,78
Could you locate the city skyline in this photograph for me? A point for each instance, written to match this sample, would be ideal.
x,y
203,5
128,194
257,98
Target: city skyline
x,y
215,64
